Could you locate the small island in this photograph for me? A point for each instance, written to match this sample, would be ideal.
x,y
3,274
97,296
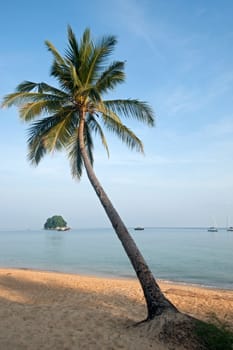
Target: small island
x,y
57,223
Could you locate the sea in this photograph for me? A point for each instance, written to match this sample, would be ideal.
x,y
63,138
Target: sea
x,y
181,255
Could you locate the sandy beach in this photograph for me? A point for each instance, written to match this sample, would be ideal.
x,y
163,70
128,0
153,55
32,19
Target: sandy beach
x,y
47,310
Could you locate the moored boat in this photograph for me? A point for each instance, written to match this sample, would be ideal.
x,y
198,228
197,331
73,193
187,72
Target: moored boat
x,y
228,227
65,228
212,229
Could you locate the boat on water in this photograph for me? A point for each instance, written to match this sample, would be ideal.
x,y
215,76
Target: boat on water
x,y
139,228
212,229
65,228
228,227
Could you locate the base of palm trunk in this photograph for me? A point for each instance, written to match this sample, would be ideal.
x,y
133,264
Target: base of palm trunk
x,y
173,329
160,310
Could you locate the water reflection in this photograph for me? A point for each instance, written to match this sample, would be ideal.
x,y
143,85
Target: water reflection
x,y
54,238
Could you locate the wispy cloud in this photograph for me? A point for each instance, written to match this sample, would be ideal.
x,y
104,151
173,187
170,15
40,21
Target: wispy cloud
x,y
183,99
180,100
144,20
134,16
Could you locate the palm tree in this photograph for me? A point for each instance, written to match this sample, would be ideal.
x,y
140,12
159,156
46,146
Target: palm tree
x,y
71,114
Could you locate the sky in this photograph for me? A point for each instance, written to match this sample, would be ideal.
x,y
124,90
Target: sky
x,y
179,58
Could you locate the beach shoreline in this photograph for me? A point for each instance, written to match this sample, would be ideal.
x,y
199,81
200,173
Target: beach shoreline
x,y
121,277
55,310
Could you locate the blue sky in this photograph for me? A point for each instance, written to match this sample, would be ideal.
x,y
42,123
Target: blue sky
x,y
180,59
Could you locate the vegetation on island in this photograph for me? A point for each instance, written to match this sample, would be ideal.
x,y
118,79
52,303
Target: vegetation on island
x,y
55,222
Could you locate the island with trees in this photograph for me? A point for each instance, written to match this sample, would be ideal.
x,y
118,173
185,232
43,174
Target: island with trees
x,y
56,222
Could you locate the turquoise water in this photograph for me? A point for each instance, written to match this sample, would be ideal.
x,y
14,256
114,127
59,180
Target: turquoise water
x,y
184,255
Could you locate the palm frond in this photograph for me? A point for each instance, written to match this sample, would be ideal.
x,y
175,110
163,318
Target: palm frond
x,y
96,128
107,45
86,45
54,52
52,133
36,151
88,143
125,134
112,76
75,157
32,110
72,52
74,77
58,136
74,152
96,62
132,108
104,110
21,98
46,88
27,86
63,75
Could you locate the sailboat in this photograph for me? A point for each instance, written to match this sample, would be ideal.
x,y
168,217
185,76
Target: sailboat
x,y
213,228
229,228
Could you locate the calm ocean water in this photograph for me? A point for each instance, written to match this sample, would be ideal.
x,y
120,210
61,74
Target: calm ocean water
x,y
184,255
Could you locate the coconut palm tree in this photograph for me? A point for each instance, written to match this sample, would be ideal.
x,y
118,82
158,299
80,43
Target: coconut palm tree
x,y
71,113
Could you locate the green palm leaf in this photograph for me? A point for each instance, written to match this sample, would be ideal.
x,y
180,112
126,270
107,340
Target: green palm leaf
x,y
132,109
27,86
95,127
111,77
74,155
96,62
54,131
32,110
54,52
125,134
72,52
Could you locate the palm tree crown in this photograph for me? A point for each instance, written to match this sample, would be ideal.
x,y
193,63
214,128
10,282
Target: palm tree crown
x,y
84,76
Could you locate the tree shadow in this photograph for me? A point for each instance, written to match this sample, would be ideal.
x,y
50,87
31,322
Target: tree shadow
x,y
45,314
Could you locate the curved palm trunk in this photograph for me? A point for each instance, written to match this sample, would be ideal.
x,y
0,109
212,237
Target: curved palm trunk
x,y
155,299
